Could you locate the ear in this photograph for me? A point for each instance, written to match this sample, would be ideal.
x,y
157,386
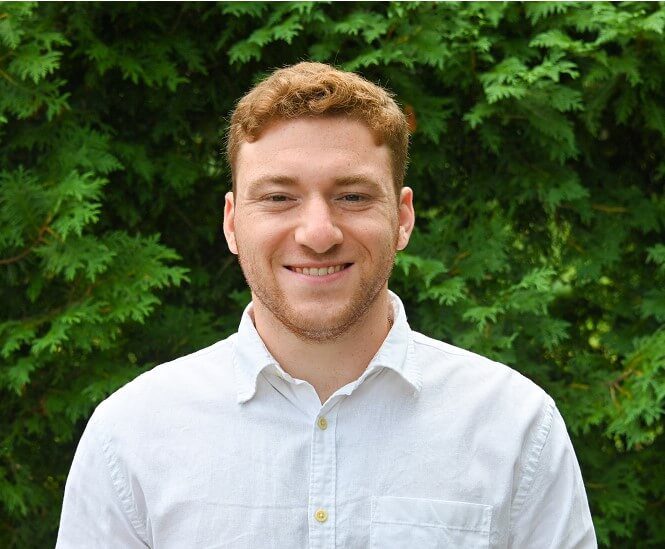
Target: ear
x,y
407,217
230,222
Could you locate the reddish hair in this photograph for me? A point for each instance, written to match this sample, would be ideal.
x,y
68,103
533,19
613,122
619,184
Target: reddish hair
x,y
316,89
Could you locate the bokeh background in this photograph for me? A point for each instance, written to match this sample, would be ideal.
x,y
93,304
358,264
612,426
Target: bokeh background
x,y
537,160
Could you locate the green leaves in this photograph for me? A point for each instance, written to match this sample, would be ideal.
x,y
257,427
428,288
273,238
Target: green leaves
x,y
13,18
565,186
75,203
84,254
22,208
506,80
285,23
43,216
656,254
71,284
31,63
639,393
27,57
372,25
541,10
428,269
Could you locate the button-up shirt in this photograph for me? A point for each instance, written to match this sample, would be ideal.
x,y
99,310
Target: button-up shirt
x,y
432,446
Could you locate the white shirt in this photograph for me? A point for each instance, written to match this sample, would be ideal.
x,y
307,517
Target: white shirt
x,y
432,446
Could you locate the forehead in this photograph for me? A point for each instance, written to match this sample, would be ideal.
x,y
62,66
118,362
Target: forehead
x,y
315,148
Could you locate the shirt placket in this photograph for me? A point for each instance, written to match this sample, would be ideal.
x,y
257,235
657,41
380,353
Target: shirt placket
x,y
323,469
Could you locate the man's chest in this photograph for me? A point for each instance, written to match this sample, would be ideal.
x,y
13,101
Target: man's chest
x,y
340,478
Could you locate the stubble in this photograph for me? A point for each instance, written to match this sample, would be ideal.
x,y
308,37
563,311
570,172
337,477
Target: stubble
x,y
268,292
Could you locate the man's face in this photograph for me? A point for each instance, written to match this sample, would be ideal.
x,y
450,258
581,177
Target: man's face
x,y
316,223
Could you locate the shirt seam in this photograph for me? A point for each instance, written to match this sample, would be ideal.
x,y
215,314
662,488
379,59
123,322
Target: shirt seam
x,y
411,361
417,341
526,483
200,353
126,504
244,391
432,525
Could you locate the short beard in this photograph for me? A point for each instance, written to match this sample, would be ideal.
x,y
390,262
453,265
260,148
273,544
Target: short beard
x,y
351,315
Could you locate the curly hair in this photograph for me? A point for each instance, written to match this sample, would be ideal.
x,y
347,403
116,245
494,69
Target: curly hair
x,y
316,89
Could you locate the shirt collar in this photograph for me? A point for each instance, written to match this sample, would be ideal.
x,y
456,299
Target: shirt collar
x,y
251,356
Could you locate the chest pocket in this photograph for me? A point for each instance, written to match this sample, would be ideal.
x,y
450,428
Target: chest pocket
x,y
428,524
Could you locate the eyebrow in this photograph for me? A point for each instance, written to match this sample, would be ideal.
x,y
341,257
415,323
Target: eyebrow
x,y
287,181
358,180
283,180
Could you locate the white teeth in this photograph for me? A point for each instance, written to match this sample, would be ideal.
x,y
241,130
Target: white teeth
x,y
318,271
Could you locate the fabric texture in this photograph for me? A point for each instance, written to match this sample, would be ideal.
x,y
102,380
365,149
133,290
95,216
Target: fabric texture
x,y
432,446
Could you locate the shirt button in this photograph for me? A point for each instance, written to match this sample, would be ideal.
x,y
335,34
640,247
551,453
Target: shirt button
x,y
322,423
321,515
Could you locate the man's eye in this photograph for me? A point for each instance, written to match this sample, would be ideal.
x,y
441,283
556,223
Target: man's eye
x,y
277,198
352,197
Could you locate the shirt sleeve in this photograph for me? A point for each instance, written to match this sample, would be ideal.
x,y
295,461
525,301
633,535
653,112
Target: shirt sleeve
x,y
550,509
98,508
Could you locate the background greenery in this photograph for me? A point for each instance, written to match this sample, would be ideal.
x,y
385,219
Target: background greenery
x,y
537,162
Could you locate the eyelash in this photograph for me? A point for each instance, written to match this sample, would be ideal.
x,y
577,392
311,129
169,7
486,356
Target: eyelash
x,y
280,198
359,197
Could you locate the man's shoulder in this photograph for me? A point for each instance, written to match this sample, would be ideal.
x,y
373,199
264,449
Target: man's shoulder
x,y
201,376
442,346
448,367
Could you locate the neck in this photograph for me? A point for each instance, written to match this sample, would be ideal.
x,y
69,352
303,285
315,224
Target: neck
x,y
327,365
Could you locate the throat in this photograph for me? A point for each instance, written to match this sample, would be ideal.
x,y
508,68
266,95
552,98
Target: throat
x,y
326,364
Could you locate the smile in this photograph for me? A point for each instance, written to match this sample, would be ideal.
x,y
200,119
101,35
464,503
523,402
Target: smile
x,y
320,271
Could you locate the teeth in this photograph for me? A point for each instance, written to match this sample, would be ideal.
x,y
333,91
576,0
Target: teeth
x,y
319,271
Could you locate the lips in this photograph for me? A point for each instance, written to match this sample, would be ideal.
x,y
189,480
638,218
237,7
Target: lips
x,y
320,271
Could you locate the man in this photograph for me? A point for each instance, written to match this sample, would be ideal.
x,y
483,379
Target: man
x,y
325,421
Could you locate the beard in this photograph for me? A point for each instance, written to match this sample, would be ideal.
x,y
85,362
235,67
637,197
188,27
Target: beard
x,y
318,327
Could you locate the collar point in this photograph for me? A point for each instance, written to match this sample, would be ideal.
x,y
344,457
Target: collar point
x,y
244,397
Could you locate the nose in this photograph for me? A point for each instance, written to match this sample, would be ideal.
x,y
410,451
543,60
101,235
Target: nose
x,y
317,228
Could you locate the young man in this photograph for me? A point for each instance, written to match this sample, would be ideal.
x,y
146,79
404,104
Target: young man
x,y
325,421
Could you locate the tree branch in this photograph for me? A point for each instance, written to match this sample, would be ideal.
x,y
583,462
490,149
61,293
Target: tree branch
x,y
9,260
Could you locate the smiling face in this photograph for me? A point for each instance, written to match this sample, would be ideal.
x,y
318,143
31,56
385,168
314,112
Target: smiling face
x,y
316,223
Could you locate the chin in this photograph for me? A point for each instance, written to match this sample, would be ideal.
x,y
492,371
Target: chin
x,y
322,336
311,326
319,334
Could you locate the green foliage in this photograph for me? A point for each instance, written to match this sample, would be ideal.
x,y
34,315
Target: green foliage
x,y
537,161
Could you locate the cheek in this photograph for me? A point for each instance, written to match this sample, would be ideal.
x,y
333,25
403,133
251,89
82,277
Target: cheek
x,y
380,229
378,240
261,237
